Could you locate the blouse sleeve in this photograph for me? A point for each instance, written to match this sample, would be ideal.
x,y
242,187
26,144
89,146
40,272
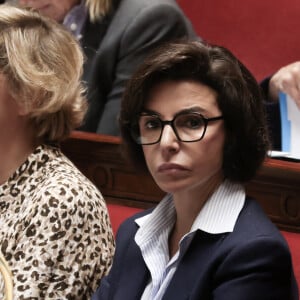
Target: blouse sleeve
x,y
66,246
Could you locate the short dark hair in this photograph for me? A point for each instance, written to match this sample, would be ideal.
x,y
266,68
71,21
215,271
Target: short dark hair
x,y
238,96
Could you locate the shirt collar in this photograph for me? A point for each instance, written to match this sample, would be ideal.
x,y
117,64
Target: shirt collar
x,y
162,218
218,215
221,211
75,19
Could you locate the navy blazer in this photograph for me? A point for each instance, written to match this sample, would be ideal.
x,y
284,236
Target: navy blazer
x,y
251,263
116,45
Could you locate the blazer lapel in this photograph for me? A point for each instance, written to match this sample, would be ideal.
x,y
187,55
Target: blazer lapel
x,y
134,276
192,267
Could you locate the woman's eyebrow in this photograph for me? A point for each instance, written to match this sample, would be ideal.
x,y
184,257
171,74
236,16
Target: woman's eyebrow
x,y
192,109
150,112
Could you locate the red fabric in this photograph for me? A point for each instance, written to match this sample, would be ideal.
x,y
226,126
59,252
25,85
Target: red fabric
x,y
119,213
293,240
262,34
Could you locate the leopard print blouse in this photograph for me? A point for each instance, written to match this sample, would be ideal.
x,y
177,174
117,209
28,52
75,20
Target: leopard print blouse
x,y
55,231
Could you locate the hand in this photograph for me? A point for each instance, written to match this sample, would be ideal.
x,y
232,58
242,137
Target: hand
x,y
287,80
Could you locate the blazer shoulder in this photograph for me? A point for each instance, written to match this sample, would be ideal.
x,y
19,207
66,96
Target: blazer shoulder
x,y
130,9
253,223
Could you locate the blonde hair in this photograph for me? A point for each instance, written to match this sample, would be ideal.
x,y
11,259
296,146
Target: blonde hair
x,y
42,63
7,277
98,8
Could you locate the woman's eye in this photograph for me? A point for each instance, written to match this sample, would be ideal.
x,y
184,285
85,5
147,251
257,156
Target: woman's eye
x,y
194,123
152,124
190,122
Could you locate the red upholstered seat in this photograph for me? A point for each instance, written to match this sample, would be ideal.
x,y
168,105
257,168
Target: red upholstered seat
x,y
293,240
119,213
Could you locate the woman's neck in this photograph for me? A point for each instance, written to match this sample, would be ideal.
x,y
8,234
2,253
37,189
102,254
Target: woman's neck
x,y
188,204
13,152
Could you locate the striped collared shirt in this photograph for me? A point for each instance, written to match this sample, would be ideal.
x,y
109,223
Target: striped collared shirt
x,y
218,215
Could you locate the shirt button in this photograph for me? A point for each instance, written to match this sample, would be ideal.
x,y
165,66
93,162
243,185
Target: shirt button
x,y
73,27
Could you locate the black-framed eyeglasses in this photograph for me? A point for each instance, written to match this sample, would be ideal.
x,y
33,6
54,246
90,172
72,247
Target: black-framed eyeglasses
x,y
188,127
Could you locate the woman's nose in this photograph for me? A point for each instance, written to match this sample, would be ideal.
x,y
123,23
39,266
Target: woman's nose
x,y
168,137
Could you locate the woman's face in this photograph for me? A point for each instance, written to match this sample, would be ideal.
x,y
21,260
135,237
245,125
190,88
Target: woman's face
x,y
177,166
54,9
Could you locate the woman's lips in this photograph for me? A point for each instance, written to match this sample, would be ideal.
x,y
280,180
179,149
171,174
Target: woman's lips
x,y
171,168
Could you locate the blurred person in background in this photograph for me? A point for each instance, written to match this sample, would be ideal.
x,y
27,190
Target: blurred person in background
x,y
116,36
286,80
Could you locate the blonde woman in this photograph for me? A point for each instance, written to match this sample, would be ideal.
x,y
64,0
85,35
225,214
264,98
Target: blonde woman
x,y
55,231
116,36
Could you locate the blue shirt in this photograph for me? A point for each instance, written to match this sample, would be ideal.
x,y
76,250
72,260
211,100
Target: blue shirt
x,y
75,19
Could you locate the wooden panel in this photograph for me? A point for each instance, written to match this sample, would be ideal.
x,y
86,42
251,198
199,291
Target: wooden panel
x,y
99,158
276,186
